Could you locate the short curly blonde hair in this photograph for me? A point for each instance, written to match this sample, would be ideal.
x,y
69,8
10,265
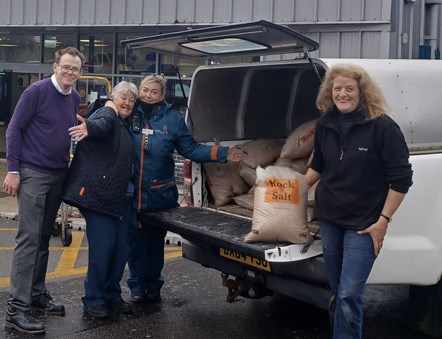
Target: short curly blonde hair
x,y
372,101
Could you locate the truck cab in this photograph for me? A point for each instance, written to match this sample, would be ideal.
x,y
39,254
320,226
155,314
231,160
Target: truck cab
x,y
231,104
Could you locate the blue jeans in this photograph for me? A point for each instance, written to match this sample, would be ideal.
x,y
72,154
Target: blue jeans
x,y
349,258
108,251
146,258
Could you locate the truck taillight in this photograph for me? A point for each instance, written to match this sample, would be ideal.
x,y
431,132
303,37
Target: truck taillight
x,y
187,185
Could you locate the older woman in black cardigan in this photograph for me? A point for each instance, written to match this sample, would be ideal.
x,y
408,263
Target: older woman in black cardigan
x,y
97,184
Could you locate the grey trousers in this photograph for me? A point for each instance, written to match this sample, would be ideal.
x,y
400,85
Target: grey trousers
x,y
39,198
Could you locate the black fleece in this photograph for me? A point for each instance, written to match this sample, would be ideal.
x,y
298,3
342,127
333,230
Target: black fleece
x,y
358,167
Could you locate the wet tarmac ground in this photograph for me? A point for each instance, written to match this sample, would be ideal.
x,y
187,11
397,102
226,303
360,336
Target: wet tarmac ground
x,y
194,306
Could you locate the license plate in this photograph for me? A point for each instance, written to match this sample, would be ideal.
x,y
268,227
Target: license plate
x,y
245,259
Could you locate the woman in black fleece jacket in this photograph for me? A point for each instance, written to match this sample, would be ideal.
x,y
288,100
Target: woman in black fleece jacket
x,y
97,184
362,160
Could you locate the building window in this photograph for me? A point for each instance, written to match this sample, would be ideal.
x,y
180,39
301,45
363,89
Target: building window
x,y
92,88
186,66
98,51
136,61
54,42
177,93
24,48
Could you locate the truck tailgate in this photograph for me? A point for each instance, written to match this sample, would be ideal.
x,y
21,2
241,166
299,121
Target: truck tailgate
x,y
209,227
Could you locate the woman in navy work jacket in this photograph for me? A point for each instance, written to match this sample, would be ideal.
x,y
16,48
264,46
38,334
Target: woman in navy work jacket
x,y
97,184
157,131
362,160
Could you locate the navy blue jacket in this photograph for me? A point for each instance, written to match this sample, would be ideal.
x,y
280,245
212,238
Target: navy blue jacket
x,y
154,169
357,169
101,167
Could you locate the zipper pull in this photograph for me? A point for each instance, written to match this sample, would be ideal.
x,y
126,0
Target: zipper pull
x,y
342,154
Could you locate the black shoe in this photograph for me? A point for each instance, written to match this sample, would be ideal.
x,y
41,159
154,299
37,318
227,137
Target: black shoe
x,y
138,297
24,322
120,307
45,303
99,311
153,297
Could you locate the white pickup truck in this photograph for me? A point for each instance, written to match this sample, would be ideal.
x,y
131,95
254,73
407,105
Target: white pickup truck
x,y
235,103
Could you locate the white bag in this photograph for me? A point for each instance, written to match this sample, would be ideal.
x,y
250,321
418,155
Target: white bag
x,y
280,207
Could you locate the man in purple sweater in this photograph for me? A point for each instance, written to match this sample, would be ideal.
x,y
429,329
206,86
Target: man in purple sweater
x,y
37,147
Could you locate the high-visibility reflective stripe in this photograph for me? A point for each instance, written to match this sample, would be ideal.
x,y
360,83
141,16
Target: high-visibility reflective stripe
x,y
214,152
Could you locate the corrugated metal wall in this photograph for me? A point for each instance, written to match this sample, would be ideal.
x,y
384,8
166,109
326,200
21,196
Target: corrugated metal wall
x,y
165,12
345,28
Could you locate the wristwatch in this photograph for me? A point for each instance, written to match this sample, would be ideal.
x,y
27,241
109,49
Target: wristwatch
x,y
384,216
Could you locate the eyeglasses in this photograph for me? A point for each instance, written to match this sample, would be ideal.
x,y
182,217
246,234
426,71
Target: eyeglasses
x,y
66,69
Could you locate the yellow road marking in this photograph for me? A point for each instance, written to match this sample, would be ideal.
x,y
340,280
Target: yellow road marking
x,y
173,252
66,264
70,254
173,248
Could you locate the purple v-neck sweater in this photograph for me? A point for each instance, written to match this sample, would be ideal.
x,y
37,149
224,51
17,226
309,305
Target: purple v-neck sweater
x,y
37,136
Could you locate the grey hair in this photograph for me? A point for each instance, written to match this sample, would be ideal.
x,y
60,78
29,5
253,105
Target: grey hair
x,y
124,87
